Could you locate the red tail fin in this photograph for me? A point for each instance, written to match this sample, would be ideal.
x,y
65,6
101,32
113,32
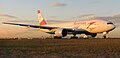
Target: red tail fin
x,y
41,19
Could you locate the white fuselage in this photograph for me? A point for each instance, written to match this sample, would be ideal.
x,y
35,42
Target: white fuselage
x,y
92,26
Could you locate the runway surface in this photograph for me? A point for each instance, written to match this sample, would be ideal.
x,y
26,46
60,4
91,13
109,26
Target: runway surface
x,y
60,48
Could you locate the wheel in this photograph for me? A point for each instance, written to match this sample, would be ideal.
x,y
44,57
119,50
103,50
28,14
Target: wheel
x,y
74,37
104,37
94,34
55,37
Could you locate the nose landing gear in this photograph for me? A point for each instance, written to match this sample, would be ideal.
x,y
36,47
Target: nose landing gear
x,y
104,34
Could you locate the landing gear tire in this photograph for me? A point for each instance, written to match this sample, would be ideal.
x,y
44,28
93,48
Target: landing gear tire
x,y
74,37
57,37
104,37
104,34
89,36
93,35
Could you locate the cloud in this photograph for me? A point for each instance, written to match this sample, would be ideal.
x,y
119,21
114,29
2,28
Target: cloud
x,y
84,15
116,15
10,32
7,31
6,15
56,21
58,4
96,2
53,16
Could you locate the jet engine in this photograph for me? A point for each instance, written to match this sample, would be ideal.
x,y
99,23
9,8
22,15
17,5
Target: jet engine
x,y
61,33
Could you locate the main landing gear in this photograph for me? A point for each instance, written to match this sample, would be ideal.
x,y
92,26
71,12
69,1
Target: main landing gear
x,y
74,36
85,36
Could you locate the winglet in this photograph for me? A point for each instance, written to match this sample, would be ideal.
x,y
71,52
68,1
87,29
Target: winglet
x,y
41,18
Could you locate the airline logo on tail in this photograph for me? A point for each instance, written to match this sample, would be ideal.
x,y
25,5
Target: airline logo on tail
x,y
41,19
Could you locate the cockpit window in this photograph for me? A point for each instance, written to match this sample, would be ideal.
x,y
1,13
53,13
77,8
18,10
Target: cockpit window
x,y
109,23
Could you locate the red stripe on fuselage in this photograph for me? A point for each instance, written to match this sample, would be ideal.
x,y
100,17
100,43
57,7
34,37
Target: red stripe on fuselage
x,y
91,23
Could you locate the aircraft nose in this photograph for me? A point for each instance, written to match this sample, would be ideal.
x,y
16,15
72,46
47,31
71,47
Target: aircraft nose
x,y
111,25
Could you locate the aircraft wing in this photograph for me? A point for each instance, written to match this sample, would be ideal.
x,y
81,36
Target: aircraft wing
x,y
33,26
70,30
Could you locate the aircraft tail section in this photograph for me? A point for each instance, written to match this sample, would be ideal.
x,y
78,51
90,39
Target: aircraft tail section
x,y
41,19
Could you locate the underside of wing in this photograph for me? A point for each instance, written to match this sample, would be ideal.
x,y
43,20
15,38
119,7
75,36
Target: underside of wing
x,y
77,31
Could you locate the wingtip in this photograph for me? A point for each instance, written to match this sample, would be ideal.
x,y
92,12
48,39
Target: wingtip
x,y
3,22
6,22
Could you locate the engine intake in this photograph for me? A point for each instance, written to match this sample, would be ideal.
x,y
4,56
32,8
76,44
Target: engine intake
x,y
61,33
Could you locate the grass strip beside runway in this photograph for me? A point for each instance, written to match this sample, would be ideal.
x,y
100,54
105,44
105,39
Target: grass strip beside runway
x,y
60,48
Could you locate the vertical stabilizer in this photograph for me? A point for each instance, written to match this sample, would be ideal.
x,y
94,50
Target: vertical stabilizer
x,y
41,18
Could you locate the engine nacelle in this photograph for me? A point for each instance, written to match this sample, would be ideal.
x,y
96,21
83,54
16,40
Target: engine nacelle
x,y
61,33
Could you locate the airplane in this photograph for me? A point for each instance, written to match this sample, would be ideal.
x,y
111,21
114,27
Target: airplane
x,y
88,27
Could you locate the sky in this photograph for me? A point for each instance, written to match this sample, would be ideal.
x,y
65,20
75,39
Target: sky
x,y
60,9
63,10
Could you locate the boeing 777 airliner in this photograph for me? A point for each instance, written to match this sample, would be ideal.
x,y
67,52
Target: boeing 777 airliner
x,y
88,27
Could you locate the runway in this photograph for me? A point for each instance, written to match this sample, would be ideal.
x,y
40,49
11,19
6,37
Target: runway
x,y
60,48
